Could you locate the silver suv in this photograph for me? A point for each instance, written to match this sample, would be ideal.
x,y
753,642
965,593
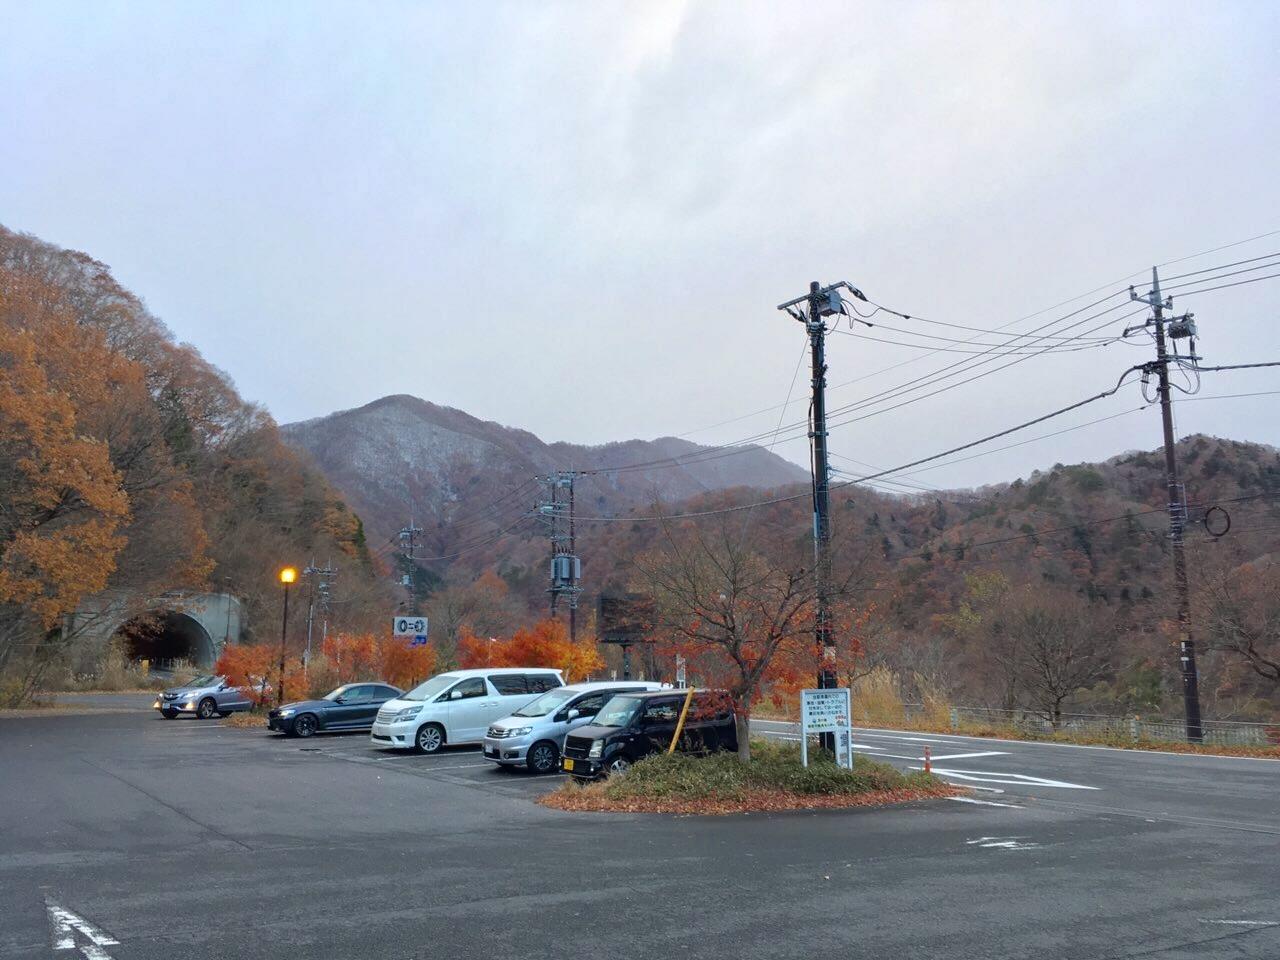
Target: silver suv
x,y
203,696
534,734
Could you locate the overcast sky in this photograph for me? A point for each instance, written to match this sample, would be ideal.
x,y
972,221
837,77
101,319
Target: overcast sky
x,y
577,218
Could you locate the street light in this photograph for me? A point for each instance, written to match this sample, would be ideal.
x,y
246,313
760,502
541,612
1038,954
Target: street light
x,y
287,576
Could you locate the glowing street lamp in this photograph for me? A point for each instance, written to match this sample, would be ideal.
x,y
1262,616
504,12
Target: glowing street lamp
x,y
287,576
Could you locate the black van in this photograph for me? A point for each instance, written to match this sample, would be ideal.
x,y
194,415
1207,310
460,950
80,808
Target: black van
x,y
634,725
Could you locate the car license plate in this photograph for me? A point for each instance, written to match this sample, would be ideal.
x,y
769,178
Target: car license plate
x,y
568,764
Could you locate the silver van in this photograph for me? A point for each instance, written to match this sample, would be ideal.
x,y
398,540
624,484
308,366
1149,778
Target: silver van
x,y
458,706
534,735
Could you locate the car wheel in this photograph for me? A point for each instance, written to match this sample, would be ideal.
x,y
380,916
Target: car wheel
x,y
304,725
430,738
207,708
169,714
544,757
617,766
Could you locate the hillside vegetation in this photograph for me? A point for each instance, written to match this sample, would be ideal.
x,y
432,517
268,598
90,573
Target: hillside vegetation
x,y
128,464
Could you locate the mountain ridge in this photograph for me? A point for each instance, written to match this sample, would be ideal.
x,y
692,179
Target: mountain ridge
x,y
401,454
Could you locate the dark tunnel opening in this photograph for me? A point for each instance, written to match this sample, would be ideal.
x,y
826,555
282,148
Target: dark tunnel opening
x,y
166,638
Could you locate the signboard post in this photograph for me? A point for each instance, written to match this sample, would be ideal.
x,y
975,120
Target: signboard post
x,y
827,711
414,628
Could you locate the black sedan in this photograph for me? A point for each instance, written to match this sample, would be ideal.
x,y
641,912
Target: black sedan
x,y
350,707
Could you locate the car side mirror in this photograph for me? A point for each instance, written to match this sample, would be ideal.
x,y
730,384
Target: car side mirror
x,y
340,700
574,714
455,694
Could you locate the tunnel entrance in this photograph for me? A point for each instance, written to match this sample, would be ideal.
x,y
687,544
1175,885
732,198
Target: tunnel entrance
x,y
167,637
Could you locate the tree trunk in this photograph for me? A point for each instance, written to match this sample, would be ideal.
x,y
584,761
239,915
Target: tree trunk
x,y
742,722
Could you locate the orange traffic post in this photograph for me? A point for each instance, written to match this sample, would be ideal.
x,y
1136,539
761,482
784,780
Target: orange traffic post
x,y
684,712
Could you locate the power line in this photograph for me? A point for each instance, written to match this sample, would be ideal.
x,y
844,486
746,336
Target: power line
x,y
1224,266
873,476
1030,316
957,368
1232,396
1239,366
936,349
1222,276
471,548
1224,286
937,376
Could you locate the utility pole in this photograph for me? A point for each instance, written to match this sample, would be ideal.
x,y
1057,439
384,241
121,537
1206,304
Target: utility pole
x,y
319,582
822,302
566,568
408,541
1179,328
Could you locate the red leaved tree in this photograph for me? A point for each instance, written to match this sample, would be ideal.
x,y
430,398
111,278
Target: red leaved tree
x,y
545,644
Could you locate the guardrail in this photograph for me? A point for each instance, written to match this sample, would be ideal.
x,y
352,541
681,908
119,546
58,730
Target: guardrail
x,y
1227,733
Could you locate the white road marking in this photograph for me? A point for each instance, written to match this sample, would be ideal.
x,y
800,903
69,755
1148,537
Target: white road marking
x,y
985,803
1001,843
66,925
966,756
1245,923
1013,779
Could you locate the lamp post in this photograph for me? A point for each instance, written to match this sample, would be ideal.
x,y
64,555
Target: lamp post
x,y
287,576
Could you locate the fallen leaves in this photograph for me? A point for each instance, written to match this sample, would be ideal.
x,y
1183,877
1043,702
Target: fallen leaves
x,y
752,801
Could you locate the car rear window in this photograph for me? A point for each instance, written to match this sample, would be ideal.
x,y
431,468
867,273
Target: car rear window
x,y
510,684
542,682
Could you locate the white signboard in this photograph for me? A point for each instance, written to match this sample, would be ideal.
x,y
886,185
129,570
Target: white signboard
x,y
828,711
414,628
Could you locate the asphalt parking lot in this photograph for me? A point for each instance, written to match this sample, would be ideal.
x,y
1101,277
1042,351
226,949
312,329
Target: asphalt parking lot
x,y
130,837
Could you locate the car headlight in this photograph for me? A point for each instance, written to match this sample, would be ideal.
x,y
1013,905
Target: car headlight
x,y
408,713
519,731
287,712
597,749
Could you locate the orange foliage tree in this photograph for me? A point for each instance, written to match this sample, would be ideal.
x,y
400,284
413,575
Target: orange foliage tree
x,y
351,657
254,669
545,644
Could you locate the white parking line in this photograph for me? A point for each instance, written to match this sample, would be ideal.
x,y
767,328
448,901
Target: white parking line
x,y
1012,779
67,925
1001,843
985,803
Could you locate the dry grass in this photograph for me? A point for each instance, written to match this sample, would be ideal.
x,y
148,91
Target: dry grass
x,y
773,781
249,720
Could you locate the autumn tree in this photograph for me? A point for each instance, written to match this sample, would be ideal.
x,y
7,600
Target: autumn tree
x,y
545,644
729,605
480,606
132,469
1053,646
62,505
1242,616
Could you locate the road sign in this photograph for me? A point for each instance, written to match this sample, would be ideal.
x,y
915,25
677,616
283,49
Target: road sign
x,y
827,711
415,628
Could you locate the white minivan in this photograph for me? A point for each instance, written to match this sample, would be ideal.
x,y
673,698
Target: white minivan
x,y
534,734
458,706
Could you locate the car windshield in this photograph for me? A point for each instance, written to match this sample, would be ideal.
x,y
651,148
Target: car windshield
x,y
336,693
549,702
425,691
206,681
618,712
